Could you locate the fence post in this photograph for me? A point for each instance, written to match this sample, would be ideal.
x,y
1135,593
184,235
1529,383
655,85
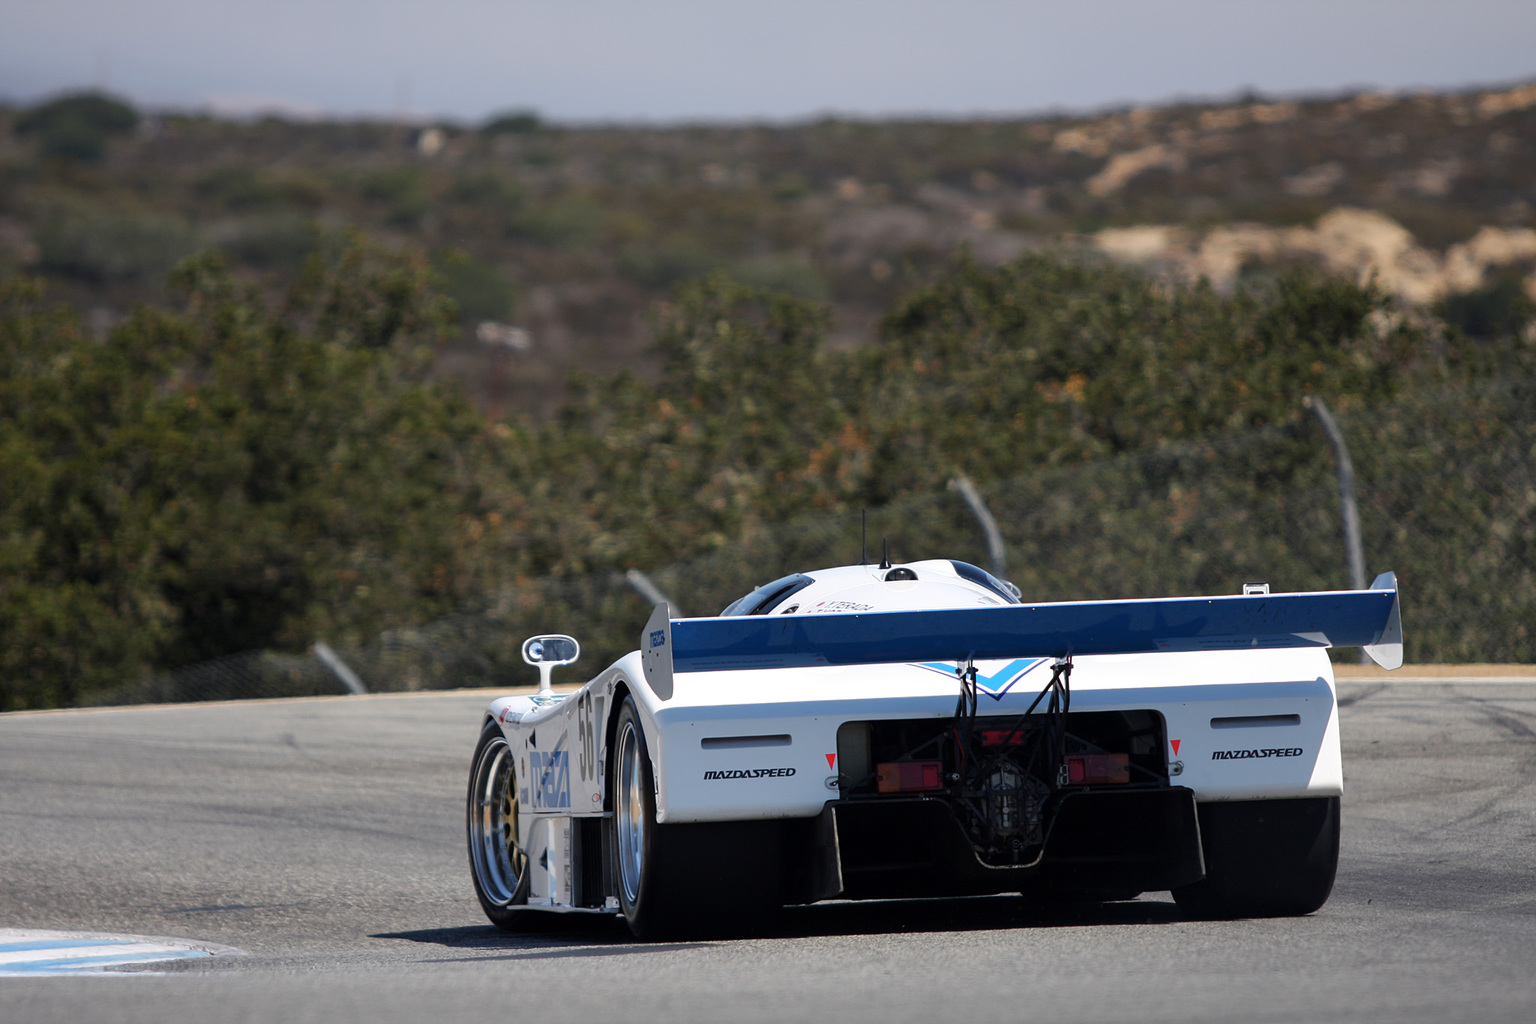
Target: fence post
x,y
331,660
996,553
1354,549
653,595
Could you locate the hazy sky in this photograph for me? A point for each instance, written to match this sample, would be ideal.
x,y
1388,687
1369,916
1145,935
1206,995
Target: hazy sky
x,y
671,60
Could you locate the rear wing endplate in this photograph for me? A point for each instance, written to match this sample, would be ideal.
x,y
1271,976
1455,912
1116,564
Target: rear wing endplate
x,y
1330,618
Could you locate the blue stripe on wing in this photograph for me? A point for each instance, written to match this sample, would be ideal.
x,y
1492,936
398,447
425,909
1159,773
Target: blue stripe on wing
x,y
1344,618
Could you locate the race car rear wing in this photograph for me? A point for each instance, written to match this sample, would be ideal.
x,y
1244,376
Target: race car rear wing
x,y
1329,618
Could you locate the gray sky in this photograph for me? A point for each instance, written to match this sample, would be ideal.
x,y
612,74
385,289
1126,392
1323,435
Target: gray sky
x,y
671,60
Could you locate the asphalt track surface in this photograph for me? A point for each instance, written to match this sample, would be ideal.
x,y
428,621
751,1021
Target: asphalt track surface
x,y
324,839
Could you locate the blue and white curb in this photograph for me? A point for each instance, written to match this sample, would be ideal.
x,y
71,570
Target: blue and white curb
x,y
36,954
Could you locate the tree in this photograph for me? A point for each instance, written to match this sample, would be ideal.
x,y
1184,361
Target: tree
x,y
79,125
226,477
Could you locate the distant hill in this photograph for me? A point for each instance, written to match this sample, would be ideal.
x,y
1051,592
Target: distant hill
x,y
555,241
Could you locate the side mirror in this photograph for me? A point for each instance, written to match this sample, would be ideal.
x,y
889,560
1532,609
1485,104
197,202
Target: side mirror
x,y
545,652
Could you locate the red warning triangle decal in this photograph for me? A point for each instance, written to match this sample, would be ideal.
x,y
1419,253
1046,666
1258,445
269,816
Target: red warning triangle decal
x,y
1175,747
831,760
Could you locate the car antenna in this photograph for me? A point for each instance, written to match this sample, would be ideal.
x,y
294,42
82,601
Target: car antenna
x,y
863,536
885,553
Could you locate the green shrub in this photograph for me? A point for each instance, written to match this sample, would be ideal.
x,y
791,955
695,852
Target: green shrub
x,y
240,188
512,122
481,291
487,188
1496,310
233,476
226,477
564,221
661,266
401,191
78,126
104,246
787,274
274,242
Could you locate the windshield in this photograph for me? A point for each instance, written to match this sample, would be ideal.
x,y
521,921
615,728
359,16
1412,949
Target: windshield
x,y
976,574
763,600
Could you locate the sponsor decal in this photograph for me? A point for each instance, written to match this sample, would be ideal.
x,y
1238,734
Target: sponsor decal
x,y
551,774
842,606
658,638
749,773
1242,755
994,678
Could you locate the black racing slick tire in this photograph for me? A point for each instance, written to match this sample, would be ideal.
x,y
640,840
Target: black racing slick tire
x,y
1264,858
682,881
497,862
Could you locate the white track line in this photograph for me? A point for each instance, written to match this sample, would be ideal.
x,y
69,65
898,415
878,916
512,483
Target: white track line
x,y
34,954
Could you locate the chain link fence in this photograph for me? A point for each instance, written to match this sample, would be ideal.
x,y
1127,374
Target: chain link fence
x,y
1447,498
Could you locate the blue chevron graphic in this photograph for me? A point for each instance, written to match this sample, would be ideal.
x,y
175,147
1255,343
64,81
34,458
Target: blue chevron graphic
x,y
995,683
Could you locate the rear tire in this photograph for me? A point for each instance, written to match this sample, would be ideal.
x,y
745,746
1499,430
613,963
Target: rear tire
x,y
1265,858
690,880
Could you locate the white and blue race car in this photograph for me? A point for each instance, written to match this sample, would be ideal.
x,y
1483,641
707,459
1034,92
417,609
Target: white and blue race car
x,y
890,731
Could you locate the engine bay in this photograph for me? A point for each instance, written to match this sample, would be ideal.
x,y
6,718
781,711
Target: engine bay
x,y
1003,776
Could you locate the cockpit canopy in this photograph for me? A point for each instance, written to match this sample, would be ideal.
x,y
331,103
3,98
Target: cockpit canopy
x,y
934,583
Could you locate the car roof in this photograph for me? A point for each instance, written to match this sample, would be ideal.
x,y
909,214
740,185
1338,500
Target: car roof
x,y
931,583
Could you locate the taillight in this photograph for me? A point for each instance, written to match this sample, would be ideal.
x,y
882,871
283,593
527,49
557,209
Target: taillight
x,y
1093,769
909,777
